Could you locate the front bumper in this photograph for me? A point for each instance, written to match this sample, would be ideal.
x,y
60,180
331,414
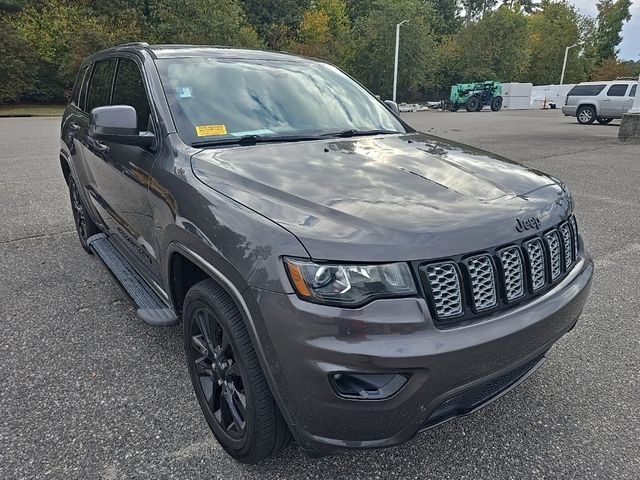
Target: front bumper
x,y
308,342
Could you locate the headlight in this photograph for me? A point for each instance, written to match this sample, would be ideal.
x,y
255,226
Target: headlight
x,y
349,285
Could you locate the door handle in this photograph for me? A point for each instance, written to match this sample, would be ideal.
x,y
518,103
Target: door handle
x,y
606,99
74,126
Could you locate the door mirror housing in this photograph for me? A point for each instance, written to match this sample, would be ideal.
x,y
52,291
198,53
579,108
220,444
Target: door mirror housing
x,y
393,106
118,124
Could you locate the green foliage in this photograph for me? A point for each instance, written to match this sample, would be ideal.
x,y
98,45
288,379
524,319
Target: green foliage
x,y
15,74
43,42
375,40
325,32
553,28
611,16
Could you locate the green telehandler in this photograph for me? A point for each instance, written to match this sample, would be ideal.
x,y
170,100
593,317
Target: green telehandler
x,y
475,96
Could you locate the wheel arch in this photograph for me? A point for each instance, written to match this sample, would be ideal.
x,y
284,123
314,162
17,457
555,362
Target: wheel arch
x,y
178,253
587,104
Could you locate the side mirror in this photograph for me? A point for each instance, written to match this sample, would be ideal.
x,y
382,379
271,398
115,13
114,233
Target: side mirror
x,y
393,106
118,124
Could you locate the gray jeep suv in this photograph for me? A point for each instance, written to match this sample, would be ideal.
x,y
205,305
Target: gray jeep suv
x,y
339,277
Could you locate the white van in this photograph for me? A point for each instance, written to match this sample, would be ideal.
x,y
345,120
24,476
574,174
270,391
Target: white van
x,y
601,101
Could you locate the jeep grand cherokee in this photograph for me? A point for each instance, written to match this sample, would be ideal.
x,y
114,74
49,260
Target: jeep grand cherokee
x,y
340,278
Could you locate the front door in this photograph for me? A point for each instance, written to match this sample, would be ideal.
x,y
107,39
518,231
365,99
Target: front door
x,y
121,174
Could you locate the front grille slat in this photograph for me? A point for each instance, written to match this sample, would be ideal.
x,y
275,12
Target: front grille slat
x,y
483,284
499,277
536,256
511,260
565,232
444,283
553,242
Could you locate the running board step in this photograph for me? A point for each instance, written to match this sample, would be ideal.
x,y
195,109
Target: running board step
x,y
151,309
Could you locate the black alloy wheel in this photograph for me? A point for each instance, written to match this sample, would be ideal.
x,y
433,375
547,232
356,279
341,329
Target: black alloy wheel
x,y
227,377
219,374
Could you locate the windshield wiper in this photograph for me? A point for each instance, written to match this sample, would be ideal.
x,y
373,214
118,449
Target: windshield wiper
x,y
253,139
359,133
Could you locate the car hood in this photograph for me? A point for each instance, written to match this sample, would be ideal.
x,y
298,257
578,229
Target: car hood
x,y
410,196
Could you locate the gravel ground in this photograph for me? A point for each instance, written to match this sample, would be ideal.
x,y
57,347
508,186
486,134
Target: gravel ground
x,y
88,391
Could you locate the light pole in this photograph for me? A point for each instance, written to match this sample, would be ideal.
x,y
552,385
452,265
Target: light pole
x,y
564,65
395,67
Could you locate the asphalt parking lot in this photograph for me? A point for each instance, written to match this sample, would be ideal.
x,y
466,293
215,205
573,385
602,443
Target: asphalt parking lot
x,y
88,391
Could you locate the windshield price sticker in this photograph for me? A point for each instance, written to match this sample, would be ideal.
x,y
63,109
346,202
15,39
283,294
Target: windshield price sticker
x,y
210,130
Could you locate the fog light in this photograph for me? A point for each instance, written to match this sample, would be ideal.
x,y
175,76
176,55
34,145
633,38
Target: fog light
x,y
368,386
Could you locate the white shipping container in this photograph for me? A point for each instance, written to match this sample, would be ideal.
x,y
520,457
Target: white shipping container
x,y
516,89
516,103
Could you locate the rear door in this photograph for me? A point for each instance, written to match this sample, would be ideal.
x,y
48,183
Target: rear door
x,y
614,101
630,98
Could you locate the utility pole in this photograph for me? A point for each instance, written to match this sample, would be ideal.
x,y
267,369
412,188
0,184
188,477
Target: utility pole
x,y
395,68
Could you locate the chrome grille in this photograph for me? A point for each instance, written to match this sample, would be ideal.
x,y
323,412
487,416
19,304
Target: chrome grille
x,y
536,256
565,231
444,283
512,267
553,241
483,284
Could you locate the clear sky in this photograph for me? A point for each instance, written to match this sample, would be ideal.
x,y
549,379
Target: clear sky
x,y
630,46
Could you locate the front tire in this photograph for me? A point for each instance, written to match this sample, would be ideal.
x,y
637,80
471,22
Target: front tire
x,y
84,225
586,115
473,103
228,380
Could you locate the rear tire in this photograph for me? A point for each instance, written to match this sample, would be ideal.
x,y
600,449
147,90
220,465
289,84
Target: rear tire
x,y
496,104
586,115
473,103
227,378
605,121
84,225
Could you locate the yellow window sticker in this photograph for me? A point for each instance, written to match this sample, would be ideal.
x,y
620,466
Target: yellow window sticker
x,y
210,130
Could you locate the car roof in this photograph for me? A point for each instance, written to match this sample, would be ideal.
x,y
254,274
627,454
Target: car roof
x,y
608,81
210,51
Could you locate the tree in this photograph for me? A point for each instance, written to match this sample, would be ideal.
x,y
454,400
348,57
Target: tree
x,y
494,48
550,30
325,32
375,47
611,17
610,69
276,20
447,20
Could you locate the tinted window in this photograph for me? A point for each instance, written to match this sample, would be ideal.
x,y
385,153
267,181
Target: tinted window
x,y
218,98
617,90
586,90
129,90
100,86
75,94
632,93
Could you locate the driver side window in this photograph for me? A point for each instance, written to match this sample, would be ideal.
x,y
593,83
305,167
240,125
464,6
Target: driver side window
x,y
129,90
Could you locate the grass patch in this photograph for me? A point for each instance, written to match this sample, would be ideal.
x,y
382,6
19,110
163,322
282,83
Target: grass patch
x,y
31,110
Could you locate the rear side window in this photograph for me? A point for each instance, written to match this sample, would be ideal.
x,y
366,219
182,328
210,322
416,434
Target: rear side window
x,y
75,93
618,90
586,90
129,90
632,93
100,85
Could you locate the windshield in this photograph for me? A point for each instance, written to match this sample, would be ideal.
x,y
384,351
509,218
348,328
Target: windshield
x,y
218,99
